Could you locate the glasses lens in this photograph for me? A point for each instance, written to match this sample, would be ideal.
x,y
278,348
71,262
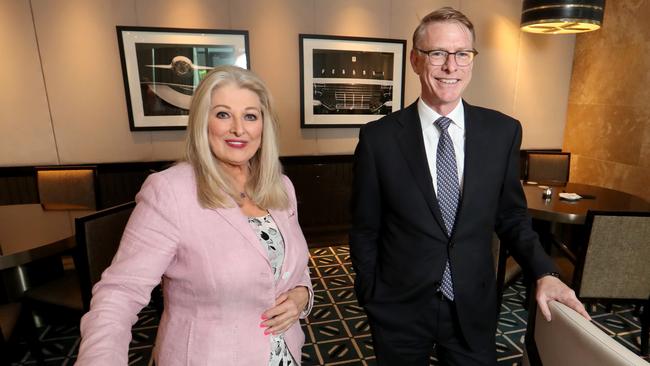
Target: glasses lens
x,y
438,58
463,58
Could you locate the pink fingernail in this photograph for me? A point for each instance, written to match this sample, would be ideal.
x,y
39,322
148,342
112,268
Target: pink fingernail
x,y
264,317
266,332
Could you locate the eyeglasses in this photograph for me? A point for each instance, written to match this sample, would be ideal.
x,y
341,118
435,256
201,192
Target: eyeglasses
x,y
439,57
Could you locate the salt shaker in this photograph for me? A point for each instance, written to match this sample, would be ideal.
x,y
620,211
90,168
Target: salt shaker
x,y
548,192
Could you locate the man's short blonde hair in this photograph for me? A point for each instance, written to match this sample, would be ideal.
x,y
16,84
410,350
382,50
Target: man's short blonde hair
x,y
446,14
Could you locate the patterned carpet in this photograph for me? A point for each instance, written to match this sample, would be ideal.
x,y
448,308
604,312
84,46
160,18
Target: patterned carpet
x,y
337,331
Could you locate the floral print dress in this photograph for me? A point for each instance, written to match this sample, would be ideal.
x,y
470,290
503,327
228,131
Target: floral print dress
x,y
271,239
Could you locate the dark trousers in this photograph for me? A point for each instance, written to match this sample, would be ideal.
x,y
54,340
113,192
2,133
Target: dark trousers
x,y
412,344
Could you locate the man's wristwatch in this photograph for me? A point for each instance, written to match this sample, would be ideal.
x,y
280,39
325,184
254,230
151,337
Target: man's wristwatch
x,y
554,274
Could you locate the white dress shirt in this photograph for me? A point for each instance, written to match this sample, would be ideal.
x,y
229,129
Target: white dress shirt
x,y
431,135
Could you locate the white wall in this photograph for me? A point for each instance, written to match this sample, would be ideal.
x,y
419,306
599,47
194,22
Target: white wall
x,y
62,96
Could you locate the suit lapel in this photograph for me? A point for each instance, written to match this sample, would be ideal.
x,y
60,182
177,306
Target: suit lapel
x,y
474,141
239,222
411,144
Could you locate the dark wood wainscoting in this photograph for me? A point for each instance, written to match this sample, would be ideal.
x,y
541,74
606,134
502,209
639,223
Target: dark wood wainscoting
x,y
18,186
116,182
323,188
119,182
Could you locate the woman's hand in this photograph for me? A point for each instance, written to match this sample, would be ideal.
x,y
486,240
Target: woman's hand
x,y
286,311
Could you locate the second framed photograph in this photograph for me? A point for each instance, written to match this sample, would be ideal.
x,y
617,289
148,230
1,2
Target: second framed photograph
x,y
349,81
163,66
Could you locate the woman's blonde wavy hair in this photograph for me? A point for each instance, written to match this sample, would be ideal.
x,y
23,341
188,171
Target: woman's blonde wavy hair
x,y
215,188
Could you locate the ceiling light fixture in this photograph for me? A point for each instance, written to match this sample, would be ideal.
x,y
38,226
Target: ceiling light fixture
x,y
562,16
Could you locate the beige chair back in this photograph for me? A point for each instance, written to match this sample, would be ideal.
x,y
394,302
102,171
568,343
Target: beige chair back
x,y
67,189
617,258
571,340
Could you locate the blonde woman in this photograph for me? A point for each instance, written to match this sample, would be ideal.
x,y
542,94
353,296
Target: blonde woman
x,y
221,228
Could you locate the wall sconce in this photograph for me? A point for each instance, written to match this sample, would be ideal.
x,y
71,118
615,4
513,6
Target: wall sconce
x,y
562,16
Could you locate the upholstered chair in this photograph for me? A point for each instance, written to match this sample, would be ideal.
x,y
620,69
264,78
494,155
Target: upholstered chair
x,y
571,340
67,188
548,167
613,263
67,298
98,236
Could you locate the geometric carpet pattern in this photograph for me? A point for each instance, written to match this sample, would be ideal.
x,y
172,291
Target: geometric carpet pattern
x,y
337,331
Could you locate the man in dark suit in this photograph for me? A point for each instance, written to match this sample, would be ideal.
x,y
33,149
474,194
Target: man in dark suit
x,y
432,183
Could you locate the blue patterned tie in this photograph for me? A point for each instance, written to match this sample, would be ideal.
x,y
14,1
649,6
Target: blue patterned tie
x,y
448,192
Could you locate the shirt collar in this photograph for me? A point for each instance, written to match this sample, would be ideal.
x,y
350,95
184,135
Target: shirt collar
x,y
428,115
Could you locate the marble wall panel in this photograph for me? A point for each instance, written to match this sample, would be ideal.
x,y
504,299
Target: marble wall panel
x,y
645,147
613,175
607,132
608,121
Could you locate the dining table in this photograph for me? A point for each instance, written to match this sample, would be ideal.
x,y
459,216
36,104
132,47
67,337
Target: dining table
x,y
555,209
32,239
561,222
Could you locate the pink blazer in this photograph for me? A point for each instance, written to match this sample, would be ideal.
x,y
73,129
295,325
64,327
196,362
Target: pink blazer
x,y
217,280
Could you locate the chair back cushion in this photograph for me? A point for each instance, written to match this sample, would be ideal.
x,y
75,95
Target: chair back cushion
x,y
548,167
570,340
616,263
98,238
67,189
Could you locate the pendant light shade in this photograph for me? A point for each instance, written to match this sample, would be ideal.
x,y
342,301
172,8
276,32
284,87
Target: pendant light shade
x,y
562,16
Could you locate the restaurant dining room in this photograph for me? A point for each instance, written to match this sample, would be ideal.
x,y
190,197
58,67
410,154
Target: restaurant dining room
x,y
99,105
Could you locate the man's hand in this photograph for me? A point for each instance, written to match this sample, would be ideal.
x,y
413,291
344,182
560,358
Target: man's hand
x,y
286,311
551,288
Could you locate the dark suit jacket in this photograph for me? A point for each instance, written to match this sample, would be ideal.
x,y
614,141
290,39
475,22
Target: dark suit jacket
x,y
398,243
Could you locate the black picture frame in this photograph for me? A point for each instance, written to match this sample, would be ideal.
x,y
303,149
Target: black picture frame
x,y
161,68
349,81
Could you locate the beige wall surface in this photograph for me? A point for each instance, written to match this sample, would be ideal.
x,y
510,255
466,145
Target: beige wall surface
x,y
26,133
608,122
63,98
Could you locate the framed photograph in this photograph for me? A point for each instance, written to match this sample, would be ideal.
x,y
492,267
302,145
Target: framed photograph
x,y
162,67
349,81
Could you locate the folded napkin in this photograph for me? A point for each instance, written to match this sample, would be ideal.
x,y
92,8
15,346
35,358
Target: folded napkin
x,y
570,196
